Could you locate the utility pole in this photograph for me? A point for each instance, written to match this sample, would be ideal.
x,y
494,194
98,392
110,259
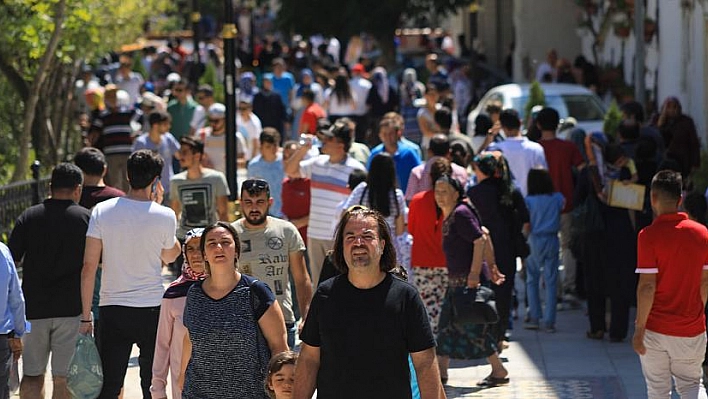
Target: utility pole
x,y
639,53
229,35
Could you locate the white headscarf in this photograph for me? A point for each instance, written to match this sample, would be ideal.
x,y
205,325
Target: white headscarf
x,y
380,79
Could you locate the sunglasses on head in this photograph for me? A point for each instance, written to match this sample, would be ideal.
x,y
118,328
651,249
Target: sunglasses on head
x,y
255,186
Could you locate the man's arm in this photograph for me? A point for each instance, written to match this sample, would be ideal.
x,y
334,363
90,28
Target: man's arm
x,y
303,284
92,255
645,299
428,374
704,286
292,164
222,207
306,369
168,255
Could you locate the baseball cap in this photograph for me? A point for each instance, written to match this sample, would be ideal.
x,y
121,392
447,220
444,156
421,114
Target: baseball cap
x,y
339,130
359,68
217,110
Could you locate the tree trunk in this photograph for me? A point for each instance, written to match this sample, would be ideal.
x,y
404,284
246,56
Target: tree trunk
x,y
21,169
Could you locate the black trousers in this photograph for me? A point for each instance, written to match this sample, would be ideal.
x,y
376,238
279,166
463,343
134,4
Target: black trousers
x,y
121,327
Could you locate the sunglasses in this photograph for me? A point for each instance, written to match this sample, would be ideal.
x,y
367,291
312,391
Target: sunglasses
x,y
215,120
242,108
255,186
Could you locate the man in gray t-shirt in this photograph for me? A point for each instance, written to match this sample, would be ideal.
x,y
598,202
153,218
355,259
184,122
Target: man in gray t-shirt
x,y
271,249
199,195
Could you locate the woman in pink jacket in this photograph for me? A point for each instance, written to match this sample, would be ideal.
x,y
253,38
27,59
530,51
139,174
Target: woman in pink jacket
x,y
170,330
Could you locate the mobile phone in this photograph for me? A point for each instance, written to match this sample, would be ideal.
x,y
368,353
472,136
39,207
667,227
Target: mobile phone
x,y
153,190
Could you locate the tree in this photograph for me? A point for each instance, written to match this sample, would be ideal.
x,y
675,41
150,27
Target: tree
x,y
536,97
42,46
343,19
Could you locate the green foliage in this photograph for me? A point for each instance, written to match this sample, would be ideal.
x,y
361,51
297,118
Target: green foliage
x,y
210,77
613,118
536,97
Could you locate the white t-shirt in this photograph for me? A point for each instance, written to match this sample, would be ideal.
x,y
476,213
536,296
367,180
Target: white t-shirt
x,y
360,90
251,130
523,155
335,107
133,234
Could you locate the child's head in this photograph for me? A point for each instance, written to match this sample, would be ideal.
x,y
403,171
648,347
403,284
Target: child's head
x,y
270,141
540,182
281,375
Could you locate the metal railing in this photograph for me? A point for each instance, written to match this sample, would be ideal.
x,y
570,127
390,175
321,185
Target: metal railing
x,y
16,197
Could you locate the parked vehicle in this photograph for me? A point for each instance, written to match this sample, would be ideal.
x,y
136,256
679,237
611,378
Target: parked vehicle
x,y
568,99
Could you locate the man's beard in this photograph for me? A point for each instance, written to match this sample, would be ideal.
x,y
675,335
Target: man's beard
x,y
259,221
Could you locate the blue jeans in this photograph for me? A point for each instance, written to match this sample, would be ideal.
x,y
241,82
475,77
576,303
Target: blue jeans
x,y
544,255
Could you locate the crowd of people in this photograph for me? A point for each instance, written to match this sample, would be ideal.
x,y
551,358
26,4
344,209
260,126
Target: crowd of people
x,y
354,185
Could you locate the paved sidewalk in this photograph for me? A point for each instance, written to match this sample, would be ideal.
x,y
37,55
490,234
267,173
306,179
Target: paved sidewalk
x,y
561,365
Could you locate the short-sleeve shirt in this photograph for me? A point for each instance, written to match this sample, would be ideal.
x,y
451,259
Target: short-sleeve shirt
x,y
328,187
425,226
365,337
310,116
182,115
460,230
562,156
133,234
523,155
283,85
273,173
676,250
545,211
228,347
406,158
198,198
167,148
265,255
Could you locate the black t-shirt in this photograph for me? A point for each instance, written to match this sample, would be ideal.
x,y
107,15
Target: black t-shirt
x,y
51,237
365,337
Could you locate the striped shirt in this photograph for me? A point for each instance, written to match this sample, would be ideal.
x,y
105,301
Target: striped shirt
x,y
328,187
116,130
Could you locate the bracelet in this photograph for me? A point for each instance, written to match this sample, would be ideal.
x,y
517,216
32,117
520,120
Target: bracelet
x,y
87,321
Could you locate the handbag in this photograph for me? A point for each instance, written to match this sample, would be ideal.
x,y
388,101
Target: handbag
x,y
474,306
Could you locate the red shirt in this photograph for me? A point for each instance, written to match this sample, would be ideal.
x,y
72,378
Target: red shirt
x,y
426,228
676,250
562,156
296,201
310,116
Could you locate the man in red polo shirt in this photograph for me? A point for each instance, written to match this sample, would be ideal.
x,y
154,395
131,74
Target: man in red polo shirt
x,y
312,112
672,262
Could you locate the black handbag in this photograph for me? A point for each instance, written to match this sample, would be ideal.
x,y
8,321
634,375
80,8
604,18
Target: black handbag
x,y
474,306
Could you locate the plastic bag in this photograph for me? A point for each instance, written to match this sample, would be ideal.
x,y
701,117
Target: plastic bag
x,y
85,377
14,380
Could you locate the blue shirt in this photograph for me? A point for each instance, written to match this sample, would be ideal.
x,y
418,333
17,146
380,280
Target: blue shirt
x,y
545,212
406,158
12,302
273,173
283,86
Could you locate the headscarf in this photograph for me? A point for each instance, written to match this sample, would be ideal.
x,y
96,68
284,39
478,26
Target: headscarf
x,y
495,166
380,79
302,86
246,84
179,287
